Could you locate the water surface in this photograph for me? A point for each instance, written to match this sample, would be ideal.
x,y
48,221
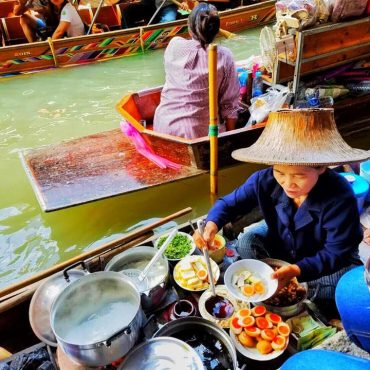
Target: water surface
x,y
52,106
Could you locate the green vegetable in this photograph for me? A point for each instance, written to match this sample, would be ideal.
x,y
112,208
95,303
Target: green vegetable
x,y
178,248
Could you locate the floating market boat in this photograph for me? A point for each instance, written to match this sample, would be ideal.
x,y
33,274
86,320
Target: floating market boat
x,y
27,58
107,164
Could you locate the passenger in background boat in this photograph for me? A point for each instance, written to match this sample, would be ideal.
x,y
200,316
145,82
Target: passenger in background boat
x,y
183,110
311,219
70,22
167,12
39,18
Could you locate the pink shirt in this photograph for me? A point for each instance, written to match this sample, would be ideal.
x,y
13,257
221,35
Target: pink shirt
x,y
184,110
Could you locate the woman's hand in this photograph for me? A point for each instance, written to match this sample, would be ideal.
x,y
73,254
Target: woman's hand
x,y
367,236
285,274
184,6
210,230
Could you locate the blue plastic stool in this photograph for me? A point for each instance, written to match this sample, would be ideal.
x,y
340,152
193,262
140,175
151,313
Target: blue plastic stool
x,y
319,359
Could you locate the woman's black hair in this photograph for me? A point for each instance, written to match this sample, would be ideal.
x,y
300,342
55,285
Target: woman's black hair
x,y
204,23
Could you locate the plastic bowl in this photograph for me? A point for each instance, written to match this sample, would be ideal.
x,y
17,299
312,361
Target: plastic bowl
x,y
189,237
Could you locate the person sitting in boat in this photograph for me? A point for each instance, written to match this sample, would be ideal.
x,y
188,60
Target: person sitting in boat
x,y
183,110
311,219
70,22
38,18
166,10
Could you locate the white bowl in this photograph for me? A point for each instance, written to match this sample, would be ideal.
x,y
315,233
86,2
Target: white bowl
x,y
193,259
260,269
189,237
252,352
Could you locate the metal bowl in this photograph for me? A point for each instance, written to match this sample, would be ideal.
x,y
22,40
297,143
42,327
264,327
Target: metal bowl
x,y
285,311
197,325
42,300
157,277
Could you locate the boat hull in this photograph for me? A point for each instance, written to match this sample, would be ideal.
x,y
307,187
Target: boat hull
x,y
28,58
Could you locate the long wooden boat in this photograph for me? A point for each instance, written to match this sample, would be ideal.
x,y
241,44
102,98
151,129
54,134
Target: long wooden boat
x,y
16,333
28,58
107,164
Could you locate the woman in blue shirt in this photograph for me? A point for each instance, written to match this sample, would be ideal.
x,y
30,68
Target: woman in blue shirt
x,y
310,212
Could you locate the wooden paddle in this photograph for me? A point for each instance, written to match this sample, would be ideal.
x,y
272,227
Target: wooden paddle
x,y
147,229
224,33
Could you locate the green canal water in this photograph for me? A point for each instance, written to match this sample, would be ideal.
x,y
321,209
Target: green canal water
x,y
49,107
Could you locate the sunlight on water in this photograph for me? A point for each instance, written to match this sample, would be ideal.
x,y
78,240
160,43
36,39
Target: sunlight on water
x,y
69,103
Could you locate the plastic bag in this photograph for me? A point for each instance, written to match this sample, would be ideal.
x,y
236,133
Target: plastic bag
x,y
271,101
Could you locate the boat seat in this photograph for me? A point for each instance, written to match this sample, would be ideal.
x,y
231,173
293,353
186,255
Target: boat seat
x,y
12,31
7,8
110,16
86,15
147,104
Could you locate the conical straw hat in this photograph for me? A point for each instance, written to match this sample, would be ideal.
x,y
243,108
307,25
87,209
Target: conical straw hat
x,y
307,137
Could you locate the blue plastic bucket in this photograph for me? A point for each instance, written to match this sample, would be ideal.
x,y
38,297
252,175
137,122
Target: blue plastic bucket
x,y
365,173
360,187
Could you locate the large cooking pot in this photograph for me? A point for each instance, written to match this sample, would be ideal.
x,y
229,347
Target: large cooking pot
x,y
97,318
200,333
157,278
43,298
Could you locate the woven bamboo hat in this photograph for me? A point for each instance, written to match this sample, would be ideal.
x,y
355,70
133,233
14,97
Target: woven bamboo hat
x,y
307,137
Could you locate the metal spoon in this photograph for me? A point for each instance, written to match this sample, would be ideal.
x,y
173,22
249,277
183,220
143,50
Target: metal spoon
x,y
218,306
138,276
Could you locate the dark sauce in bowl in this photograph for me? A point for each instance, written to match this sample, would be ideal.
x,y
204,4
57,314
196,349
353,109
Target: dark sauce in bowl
x,y
219,307
211,350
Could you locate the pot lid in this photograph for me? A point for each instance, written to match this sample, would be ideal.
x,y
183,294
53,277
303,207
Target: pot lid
x,y
163,353
42,300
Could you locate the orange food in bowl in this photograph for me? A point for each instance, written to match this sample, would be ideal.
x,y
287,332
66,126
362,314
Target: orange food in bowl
x,y
258,311
263,323
252,331
247,321
278,343
264,347
248,290
259,287
244,312
218,249
246,340
283,329
268,334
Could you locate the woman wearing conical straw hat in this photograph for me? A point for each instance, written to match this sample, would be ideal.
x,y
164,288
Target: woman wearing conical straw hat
x,y
310,212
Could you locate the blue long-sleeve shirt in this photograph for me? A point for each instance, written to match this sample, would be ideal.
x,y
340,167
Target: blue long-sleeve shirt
x,y
319,236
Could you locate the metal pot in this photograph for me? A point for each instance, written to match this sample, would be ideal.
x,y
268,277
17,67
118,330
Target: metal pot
x,y
43,298
97,318
285,311
180,328
157,278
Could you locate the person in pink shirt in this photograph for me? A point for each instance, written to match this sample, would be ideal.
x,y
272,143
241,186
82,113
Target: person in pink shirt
x,y
183,110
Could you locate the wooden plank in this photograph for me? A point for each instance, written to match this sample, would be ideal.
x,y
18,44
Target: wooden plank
x,y
95,167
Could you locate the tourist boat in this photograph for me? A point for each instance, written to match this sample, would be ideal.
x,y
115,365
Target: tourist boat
x,y
26,58
107,164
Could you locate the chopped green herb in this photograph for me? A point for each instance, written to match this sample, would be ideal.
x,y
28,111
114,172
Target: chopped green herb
x,y
178,248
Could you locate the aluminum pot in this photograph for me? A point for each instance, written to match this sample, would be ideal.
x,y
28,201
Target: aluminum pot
x,y
202,328
285,311
97,318
43,298
157,278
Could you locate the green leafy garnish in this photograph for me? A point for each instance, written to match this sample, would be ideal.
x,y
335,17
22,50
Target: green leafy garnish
x,y
178,248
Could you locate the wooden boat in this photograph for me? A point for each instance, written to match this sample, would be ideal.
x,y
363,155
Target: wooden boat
x,y
16,333
107,164
27,58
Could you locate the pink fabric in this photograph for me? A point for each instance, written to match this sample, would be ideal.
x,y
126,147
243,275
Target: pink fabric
x,y
184,110
144,149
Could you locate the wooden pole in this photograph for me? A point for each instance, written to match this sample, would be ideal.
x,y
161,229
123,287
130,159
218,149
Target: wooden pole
x,y
213,118
50,41
115,243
